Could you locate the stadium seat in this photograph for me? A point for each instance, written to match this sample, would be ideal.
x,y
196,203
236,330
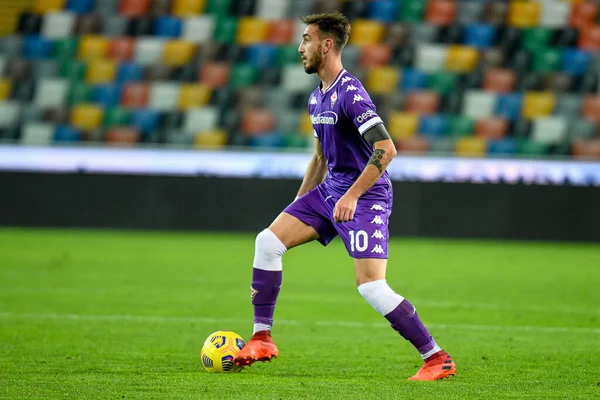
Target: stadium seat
x,y
460,125
538,104
24,91
412,145
461,59
491,128
57,25
252,31
469,12
581,129
378,55
129,72
51,92
198,29
37,134
589,38
133,8
116,116
382,80
200,119
66,133
479,104
402,124
226,29
495,12
422,102
149,50
215,75
433,126
101,71
568,105
587,150
87,116
382,10
135,95
366,33
116,26
81,6
413,79
424,33
575,62
123,136
442,82
499,80
549,130
10,112
281,32
193,95
350,55
294,79
160,8
145,120
167,27
213,138
121,49
537,38
90,24
471,146
412,11
440,12
583,14
164,96
43,6
107,95
188,8
272,10
79,92
66,49
177,53
287,120
5,89
480,36
29,24
93,47
502,146
396,34
591,108
492,57
37,48
107,8
261,55
546,60
257,122
431,58
524,14
509,105
554,14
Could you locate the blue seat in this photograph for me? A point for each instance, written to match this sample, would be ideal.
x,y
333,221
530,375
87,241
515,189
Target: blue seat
x,y
108,95
413,79
130,72
575,62
81,6
66,133
508,106
480,36
502,146
433,126
383,10
37,47
167,27
147,121
269,140
262,55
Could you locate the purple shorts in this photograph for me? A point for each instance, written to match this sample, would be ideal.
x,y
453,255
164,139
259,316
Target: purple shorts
x,y
366,236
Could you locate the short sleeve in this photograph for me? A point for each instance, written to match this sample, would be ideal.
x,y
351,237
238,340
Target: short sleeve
x,y
357,106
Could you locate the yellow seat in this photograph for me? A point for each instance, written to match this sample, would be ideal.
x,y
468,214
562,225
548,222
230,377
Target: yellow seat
x,y
471,146
211,138
101,71
366,32
92,47
43,6
305,125
178,52
5,87
524,14
252,30
538,104
461,59
187,8
402,124
194,95
87,116
383,80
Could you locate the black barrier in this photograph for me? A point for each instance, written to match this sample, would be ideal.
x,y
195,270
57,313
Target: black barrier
x,y
227,204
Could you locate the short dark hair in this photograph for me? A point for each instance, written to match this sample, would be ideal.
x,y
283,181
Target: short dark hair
x,y
335,24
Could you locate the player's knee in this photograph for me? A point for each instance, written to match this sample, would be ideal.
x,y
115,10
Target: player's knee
x,y
268,246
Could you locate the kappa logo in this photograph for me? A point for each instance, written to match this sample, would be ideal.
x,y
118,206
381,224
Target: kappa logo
x,y
358,97
253,293
346,79
377,234
351,88
377,220
313,100
377,207
325,118
377,249
365,116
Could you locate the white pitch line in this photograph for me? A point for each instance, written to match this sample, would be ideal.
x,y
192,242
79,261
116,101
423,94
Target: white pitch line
x,y
339,324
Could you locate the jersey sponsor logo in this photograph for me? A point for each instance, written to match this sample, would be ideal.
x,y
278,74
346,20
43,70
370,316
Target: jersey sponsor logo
x,y
351,88
313,100
377,207
377,234
346,79
324,118
377,249
333,98
365,116
377,220
358,97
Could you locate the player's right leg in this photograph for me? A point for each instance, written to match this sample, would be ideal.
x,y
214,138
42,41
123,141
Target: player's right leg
x,y
285,232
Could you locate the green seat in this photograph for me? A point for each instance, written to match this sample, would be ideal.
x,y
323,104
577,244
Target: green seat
x,y
218,8
536,38
295,140
546,60
288,55
73,70
442,82
66,49
531,147
79,92
412,10
461,125
116,116
242,75
226,30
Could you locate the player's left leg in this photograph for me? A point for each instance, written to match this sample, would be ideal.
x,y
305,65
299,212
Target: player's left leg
x,y
402,315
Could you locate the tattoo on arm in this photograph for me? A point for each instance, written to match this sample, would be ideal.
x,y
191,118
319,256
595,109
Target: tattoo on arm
x,y
376,159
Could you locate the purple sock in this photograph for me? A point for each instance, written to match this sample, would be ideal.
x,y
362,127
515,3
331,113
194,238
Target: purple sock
x,y
406,322
265,288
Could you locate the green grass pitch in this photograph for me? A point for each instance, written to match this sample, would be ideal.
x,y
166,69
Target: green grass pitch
x,y
106,314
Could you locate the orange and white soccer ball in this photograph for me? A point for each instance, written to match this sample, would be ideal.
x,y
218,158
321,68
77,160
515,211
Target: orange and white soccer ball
x,y
219,349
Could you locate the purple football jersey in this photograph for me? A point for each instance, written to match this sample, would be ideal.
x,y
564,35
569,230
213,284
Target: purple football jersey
x,y
340,117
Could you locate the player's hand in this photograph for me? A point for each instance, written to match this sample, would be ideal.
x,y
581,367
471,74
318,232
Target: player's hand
x,y
344,209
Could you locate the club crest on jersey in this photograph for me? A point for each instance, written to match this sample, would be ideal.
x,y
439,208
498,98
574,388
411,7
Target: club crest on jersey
x,y
253,293
333,98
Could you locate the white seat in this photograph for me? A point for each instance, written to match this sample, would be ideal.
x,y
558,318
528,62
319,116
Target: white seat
x,y
295,79
58,24
200,119
479,104
272,9
10,112
148,50
37,134
164,96
51,92
550,130
431,57
198,29
555,13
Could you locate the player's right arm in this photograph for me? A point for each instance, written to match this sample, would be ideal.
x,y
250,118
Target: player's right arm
x,y
315,172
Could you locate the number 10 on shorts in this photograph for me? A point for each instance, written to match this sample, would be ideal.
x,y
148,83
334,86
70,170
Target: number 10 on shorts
x,y
359,240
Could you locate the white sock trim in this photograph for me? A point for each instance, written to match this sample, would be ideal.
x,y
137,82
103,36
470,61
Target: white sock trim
x,y
268,251
431,352
261,327
380,296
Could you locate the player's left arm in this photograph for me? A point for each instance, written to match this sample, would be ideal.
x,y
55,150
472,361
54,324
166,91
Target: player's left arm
x,y
384,151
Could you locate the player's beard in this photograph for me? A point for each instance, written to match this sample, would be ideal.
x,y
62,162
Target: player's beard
x,y
315,64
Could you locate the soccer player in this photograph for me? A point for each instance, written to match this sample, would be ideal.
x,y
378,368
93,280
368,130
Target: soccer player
x,y
346,191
